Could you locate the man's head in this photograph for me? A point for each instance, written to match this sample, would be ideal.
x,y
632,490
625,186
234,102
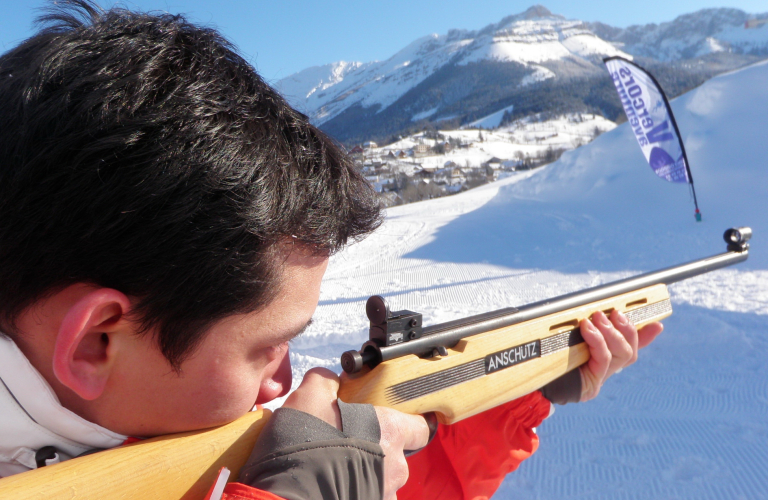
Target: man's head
x,y
141,154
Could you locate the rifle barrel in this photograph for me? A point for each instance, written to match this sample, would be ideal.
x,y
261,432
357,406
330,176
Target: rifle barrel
x,y
448,334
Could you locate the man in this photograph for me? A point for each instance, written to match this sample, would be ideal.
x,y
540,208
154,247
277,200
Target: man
x,y
165,223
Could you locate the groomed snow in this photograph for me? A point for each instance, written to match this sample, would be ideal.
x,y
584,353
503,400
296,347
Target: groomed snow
x,y
690,419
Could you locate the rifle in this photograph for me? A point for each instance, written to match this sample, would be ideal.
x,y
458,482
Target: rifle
x,y
455,370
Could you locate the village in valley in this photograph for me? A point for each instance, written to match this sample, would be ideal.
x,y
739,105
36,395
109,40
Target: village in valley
x,y
435,163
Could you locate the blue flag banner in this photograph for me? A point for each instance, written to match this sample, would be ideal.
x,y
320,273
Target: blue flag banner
x,y
651,119
650,116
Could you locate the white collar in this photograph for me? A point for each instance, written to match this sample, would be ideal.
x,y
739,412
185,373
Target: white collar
x,y
32,417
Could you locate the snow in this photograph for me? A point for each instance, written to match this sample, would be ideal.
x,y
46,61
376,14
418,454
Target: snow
x,y
690,419
424,114
374,83
491,121
529,137
540,40
301,86
539,74
696,34
711,46
748,38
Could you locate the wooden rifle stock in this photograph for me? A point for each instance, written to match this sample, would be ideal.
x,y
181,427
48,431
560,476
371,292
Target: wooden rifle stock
x,y
455,370
489,369
177,466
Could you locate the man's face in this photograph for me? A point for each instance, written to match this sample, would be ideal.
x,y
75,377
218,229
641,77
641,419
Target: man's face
x,y
242,361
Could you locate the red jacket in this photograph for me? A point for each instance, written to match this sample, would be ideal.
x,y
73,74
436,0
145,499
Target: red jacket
x,y
465,461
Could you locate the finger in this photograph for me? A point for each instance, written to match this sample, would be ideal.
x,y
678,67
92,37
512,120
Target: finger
x,y
410,432
600,355
399,432
647,333
395,474
621,351
628,330
317,396
593,373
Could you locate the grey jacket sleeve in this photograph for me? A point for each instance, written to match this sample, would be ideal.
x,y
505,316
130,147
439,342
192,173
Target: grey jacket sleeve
x,y
300,457
565,389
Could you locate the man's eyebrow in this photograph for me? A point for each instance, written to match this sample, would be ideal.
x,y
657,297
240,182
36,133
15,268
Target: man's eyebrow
x,y
302,330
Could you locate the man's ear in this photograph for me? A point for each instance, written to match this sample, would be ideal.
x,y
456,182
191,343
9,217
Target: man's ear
x,y
83,354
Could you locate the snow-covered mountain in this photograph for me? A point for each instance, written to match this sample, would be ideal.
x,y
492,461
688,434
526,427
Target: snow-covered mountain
x,y
534,39
690,419
528,63
691,35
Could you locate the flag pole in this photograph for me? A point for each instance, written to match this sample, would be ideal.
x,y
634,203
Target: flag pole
x,y
697,213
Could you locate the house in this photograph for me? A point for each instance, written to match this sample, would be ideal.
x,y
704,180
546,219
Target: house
x,y
511,165
425,173
357,153
388,185
456,176
420,150
494,163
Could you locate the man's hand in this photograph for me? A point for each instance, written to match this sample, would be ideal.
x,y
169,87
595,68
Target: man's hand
x,y
613,344
399,431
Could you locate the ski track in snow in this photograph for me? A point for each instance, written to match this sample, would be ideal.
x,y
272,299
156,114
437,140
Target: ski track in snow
x,y
690,419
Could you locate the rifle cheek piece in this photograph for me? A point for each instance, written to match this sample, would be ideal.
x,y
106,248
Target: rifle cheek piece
x,y
737,238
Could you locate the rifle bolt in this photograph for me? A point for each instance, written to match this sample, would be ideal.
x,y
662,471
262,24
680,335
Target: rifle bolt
x,y
439,351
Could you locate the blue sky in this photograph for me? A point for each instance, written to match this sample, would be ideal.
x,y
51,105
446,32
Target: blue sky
x,y
282,37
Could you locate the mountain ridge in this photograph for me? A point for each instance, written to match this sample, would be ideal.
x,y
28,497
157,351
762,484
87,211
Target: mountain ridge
x,y
532,57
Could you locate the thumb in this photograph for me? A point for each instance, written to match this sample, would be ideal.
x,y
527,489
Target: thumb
x,y
317,396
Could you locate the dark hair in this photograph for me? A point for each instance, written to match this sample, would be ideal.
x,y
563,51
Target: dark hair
x,y
140,152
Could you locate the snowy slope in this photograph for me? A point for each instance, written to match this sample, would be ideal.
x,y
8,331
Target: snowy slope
x,y
313,81
531,38
690,419
491,121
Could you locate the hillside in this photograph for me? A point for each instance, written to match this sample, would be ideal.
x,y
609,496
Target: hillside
x,y
433,163
689,420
